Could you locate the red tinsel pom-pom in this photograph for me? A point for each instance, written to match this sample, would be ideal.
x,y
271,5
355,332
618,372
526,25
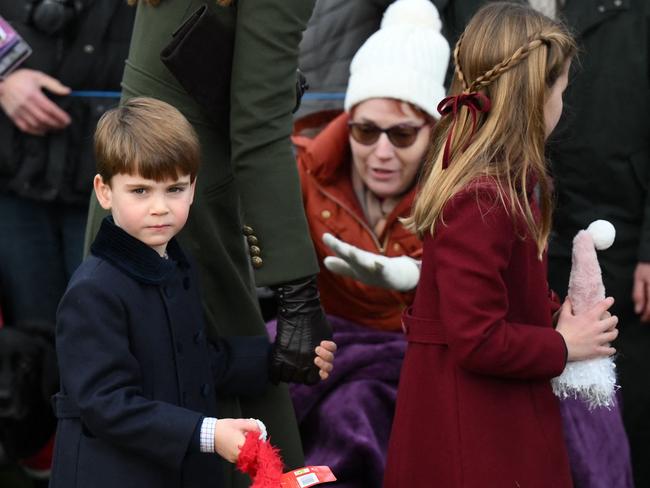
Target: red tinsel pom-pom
x,y
261,461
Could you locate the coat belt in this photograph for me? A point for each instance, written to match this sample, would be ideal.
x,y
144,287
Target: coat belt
x,y
64,408
423,331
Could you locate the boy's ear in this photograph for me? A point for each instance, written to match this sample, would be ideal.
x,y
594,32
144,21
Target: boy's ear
x,y
192,188
102,192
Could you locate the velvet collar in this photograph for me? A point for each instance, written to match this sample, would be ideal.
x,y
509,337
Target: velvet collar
x,y
134,257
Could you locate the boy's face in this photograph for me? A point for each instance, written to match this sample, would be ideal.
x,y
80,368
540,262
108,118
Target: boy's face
x,y
151,211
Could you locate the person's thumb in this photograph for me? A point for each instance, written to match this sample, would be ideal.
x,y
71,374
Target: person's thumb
x,y
566,308
53,85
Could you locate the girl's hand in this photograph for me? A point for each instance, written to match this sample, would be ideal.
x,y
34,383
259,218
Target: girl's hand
x,y
588,336
325,358
230,435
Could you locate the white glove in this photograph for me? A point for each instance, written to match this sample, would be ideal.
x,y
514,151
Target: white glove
x,y
400,273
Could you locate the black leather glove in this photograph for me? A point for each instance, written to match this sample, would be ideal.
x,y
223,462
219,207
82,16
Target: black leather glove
x,y
301,327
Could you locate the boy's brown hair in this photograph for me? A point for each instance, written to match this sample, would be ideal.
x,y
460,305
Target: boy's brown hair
x,y
148,137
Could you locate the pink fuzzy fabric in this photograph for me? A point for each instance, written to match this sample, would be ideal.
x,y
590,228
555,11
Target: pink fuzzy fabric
x,y
585,282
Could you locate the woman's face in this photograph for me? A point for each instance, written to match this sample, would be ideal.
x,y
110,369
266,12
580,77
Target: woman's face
x,y
387,170
553,105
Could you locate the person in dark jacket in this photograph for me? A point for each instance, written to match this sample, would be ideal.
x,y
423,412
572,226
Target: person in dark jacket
x,y
139,378
49,108
247,225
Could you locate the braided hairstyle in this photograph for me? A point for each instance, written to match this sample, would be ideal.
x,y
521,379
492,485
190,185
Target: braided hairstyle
x,y
513,55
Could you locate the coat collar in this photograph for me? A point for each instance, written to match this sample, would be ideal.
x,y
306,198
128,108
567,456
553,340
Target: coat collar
x,y
328,156
134,257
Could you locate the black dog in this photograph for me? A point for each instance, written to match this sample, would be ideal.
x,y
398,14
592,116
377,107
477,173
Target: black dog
x,y
28,378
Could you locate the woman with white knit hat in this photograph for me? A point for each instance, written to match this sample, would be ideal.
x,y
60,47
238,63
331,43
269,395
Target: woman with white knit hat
x,y
358,179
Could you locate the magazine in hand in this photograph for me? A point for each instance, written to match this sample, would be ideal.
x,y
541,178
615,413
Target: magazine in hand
x,y
13,49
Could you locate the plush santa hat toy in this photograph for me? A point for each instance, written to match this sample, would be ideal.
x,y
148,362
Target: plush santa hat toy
x,y
593,380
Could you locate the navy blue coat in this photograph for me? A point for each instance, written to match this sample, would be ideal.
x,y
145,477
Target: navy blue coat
x,y
137,372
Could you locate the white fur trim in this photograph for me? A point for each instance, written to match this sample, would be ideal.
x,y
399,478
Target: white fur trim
x,y
593,381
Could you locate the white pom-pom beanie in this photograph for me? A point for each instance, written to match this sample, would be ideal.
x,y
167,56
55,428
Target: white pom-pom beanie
x,y
405,59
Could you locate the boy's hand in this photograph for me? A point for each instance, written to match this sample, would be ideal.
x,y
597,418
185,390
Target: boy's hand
x,y
230,435
325,358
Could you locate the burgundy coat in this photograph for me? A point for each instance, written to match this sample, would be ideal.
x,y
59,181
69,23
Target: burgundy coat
x,y
475,406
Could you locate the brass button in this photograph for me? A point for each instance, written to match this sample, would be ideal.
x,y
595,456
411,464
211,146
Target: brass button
x,y
255,251
397,247
326,214
257,262
252,240
247,230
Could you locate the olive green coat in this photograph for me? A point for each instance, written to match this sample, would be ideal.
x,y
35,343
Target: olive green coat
x,y
248,175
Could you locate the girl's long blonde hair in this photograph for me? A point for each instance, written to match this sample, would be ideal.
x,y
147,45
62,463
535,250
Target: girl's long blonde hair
x,y
513,55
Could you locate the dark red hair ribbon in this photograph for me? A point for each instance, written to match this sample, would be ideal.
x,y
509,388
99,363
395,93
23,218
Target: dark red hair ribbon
x,y
475,102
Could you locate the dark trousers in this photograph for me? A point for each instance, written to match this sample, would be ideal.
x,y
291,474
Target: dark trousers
x,y
40,247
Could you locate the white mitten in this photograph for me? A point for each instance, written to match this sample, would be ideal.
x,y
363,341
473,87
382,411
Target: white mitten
x,y
400,273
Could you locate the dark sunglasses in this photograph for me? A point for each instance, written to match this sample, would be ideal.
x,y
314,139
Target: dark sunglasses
x,y
400,135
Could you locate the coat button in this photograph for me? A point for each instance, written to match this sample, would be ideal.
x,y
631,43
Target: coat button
x,y
326,214
186,283
397,247
252,240
247,230
89,49
257,262
255,251
601,8
198,337
205,390
618,3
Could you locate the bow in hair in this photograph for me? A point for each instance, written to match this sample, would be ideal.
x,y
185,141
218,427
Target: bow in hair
x,y
475,102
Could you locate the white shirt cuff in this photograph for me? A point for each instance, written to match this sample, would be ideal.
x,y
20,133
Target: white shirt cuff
x,y
208,426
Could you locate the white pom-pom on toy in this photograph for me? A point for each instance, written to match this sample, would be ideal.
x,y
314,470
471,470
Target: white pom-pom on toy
x,y
603,233
412,13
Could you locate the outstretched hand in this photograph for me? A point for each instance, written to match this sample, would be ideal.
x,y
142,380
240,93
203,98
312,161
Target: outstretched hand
x,y
398,273
23,100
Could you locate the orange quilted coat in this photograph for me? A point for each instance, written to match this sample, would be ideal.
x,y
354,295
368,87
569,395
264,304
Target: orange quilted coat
x,y
332,206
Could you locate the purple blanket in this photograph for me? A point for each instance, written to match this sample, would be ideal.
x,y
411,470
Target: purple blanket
x,y
345,421
599,453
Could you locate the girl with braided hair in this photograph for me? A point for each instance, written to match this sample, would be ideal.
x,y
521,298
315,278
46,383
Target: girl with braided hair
x,y
475,406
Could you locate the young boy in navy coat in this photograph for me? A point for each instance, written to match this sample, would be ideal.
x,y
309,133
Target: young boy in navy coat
x,y
139,378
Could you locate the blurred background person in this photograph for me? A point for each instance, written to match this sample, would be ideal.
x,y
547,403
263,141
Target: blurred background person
x,y
50,106
359,177
336,30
